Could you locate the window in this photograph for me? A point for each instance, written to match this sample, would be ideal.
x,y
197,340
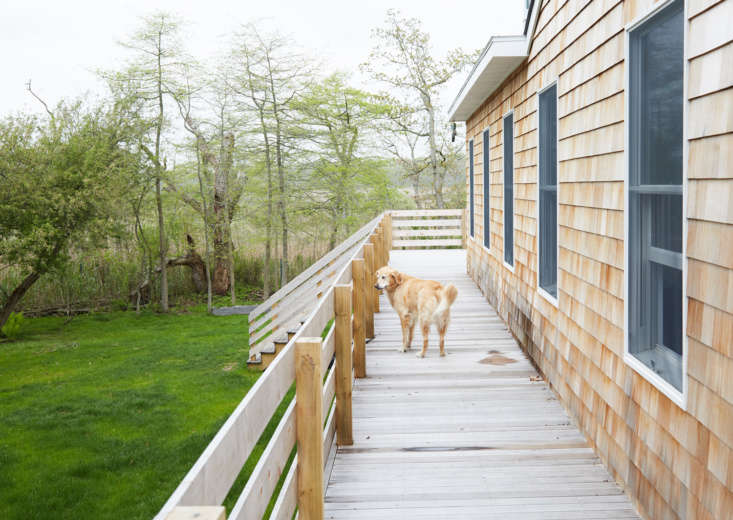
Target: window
x,y
487,208
655,111
470,182
509,189
547,212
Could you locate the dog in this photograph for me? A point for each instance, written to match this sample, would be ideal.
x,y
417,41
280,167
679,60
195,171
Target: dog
x,y
416,300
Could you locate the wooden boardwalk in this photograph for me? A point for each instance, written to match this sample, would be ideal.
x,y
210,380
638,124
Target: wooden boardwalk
x,y
468,436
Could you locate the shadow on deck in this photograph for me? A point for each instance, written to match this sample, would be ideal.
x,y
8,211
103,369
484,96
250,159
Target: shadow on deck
x,y
471,435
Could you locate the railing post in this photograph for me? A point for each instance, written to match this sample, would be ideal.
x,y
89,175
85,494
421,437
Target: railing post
x,y
369,289
309,427
357,273
342,336
371,275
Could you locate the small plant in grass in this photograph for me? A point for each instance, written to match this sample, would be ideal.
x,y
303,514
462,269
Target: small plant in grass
x,y
13,326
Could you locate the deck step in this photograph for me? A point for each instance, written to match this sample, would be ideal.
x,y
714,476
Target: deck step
x,y
255,362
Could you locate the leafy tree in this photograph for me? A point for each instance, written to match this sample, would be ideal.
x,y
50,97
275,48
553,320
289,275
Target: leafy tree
x,y
220,187
337,121
267,75
150,78
61,177
401,59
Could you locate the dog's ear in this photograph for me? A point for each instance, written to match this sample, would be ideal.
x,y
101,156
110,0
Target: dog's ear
x,y
396,278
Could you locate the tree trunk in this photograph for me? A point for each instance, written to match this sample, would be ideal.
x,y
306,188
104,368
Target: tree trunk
x,y
283,214
16,295
162,249
437,180
192,259
268,224
281,178
416,190
205,215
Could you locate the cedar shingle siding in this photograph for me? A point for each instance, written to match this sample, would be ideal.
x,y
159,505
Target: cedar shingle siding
x,y
676,463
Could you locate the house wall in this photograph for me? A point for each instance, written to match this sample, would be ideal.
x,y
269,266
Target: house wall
x,y
675,463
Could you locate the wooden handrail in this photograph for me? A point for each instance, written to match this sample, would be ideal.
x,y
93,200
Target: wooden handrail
x,y
209,480
286,306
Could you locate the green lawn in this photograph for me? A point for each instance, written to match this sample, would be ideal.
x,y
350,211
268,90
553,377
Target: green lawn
x,y
101,417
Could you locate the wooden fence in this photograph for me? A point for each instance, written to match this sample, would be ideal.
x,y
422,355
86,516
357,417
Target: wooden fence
x,y
274,322
340,287
428,229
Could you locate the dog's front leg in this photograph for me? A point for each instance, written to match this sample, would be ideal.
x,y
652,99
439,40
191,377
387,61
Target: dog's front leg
x,y
411,325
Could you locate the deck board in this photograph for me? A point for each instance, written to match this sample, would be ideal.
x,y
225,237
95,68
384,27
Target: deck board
x,y
456,437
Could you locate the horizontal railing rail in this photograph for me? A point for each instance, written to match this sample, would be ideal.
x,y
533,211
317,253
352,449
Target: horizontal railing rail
x,y
323,391
428,228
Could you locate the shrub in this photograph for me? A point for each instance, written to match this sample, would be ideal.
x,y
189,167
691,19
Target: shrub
x,y
13,326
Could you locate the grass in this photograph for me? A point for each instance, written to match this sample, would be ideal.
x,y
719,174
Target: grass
x,y
102,416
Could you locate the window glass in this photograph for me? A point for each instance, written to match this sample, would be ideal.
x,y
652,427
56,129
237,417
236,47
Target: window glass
x,y
470,183
656,61
487,185
509,189
548,190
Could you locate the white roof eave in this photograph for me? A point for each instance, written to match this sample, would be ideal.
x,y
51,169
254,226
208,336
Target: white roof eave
x,y
501,56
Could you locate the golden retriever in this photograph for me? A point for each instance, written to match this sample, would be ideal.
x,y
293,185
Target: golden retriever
x,y
416,300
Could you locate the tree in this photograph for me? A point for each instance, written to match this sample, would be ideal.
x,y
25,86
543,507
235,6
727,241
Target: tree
x,y
61,176
336,121
150,78
401,59
214,148
267,75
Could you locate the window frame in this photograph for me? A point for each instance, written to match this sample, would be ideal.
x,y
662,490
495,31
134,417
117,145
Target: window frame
x,y
547,296
510,267
471,191
678,397
486,168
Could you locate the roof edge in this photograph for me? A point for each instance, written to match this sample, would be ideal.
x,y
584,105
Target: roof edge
x,y
497,47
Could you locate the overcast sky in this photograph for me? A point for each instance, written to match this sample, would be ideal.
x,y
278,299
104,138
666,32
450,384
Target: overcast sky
x,y
59,44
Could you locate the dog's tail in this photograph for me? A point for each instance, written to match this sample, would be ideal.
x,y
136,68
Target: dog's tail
x,y
448,295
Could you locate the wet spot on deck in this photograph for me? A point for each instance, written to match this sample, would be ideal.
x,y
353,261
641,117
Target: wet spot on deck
x,y
497,359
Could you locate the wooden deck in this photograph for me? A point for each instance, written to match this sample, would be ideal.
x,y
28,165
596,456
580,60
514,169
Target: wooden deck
x,y
467,436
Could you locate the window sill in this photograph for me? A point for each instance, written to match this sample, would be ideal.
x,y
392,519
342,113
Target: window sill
x,y
547,296
677,397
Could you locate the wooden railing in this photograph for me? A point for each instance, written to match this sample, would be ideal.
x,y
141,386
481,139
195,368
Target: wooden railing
x,y
275,321
340,287
428,228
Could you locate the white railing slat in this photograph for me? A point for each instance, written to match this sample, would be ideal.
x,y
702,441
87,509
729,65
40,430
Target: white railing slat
x,y
427,212
427,243
255,497
426,223
287,500
447,232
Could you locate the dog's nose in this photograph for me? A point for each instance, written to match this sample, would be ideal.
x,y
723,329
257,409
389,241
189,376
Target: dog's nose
x,y
376,286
